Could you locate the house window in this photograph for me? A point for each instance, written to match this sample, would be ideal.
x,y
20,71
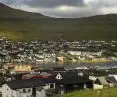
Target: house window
x,y
61,86
51,86
24,91
75,86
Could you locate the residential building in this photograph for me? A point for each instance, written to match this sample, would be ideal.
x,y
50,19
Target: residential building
x,y
23,88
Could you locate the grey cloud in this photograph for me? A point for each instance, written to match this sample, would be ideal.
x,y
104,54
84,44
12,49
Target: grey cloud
x,y
77,3
53,3
8,2
83,8
76,13
70,15
106,3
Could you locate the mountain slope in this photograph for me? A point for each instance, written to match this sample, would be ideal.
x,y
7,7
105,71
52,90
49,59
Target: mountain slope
x,y
21,25
8,12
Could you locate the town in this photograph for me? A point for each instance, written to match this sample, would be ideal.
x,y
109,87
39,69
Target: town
x,y
62,51
22,73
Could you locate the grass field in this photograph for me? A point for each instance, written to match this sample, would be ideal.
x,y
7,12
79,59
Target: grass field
x,y
95,61
112,92
54,29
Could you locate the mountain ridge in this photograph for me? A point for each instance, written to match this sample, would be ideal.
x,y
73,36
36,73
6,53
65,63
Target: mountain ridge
x,y
21,25
8,12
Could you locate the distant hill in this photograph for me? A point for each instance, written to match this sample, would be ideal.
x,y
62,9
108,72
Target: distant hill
x,y
20,25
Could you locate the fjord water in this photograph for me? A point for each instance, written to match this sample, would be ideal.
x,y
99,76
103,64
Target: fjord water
x,y
107,65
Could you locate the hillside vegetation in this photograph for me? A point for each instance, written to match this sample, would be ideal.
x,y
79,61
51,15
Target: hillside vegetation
x,y
112,92
21,25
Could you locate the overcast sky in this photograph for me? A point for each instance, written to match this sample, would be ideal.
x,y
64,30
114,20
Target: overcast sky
x,y
65,8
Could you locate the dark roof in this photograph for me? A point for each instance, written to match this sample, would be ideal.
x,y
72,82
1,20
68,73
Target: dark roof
x,y
111,79
19,84
59,69
19,76
47,80
67,78
73,78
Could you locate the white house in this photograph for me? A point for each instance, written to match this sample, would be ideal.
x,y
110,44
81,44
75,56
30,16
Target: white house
x,y
92,53
23,88
78,53
100,83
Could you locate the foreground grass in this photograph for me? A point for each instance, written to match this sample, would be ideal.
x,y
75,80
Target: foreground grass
x,y
112,92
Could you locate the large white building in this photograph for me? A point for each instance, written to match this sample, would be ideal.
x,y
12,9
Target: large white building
x,y
23,88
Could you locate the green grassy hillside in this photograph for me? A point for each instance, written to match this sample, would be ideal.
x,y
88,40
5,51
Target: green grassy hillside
x,y
112,92
21,25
